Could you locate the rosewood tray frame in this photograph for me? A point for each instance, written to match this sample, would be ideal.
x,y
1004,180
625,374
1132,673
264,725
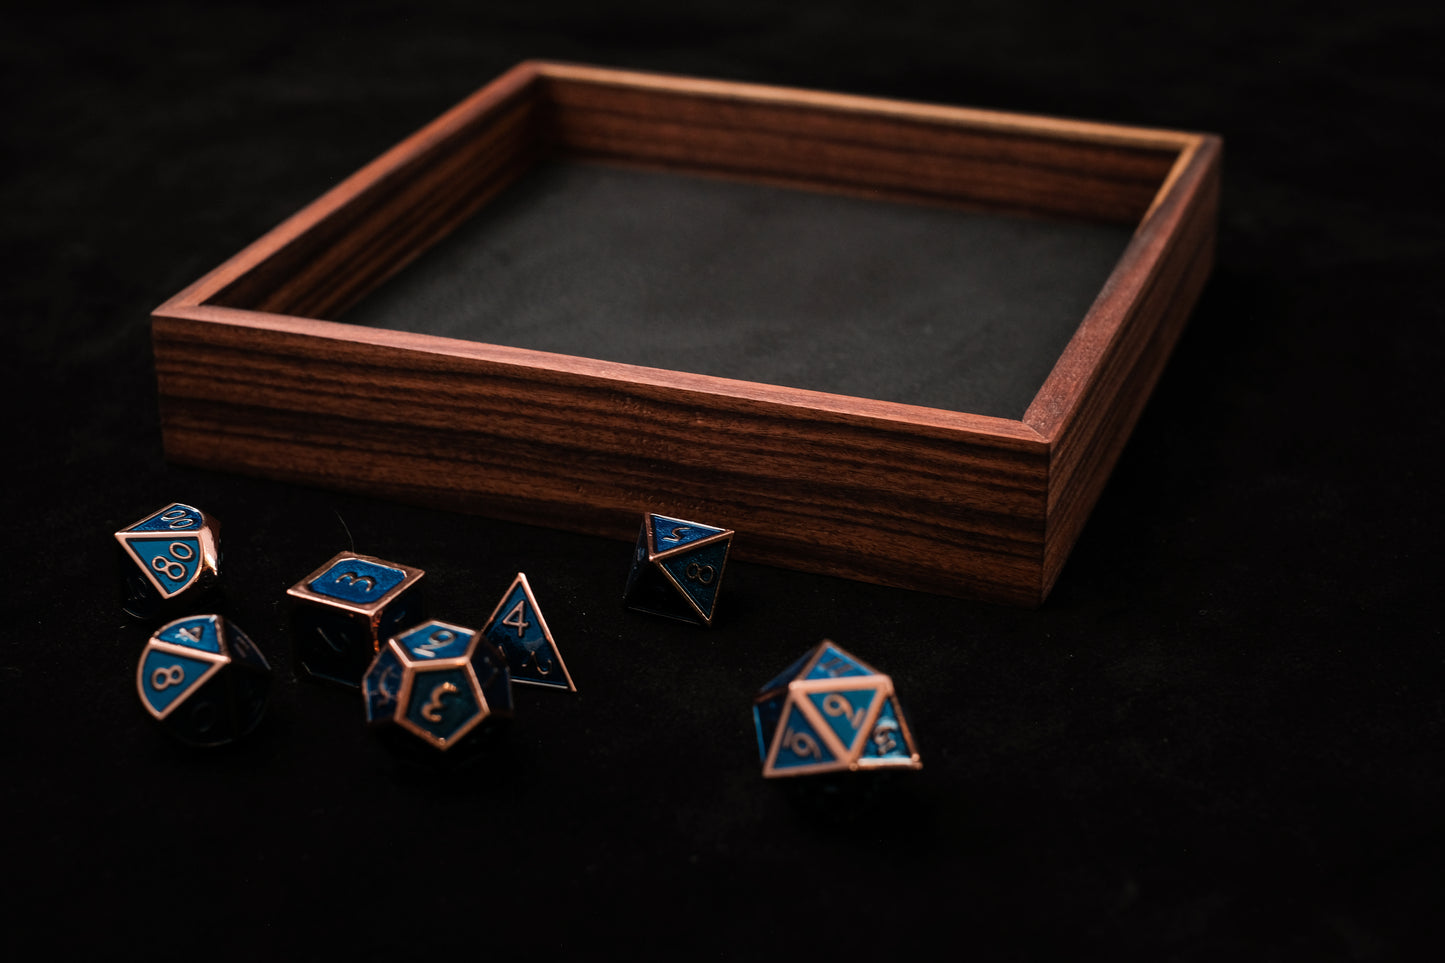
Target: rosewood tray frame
x,y
940,501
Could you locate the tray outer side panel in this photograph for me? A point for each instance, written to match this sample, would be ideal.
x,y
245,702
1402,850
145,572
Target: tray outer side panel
x,y
920,506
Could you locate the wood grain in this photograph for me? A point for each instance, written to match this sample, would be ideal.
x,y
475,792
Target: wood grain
x,y
253,379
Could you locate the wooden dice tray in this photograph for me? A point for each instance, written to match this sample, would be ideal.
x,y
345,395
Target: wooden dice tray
x,y
255,374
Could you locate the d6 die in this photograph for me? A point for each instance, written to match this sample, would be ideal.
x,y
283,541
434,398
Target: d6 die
x,y
827,712
343,611
438,682
170,562
204,680
677,569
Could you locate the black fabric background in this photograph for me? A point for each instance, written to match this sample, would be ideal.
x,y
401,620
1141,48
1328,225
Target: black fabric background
x,y
1220,738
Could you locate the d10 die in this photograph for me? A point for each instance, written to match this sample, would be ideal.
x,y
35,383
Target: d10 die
x,y
204,680
170,561
516,627
343,611
438,682
677,569
828,712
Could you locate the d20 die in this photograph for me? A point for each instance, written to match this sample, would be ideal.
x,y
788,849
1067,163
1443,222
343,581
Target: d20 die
x,y
677,569
516,627
170,562
343,611
203,679
828,712
438,682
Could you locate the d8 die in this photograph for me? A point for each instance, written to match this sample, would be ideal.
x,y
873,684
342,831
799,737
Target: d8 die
x,y
828,712
677,569
343,611
204,680
170,562
438,682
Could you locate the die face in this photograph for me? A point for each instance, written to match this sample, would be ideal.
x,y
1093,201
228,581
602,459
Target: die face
x,y
381,686
889,743
435,642
356,583
696,571
799,747
519,631
167,673
441,704
669,533
846,713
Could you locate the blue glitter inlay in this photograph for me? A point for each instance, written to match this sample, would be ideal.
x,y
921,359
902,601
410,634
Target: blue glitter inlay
x,y
886,740
382,685
433,640
174,562
699,573
357,581
834,663
442,701
173,518
670,533
197,632
166,677
844,711
800,744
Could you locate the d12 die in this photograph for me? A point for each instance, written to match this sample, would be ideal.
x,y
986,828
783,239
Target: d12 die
x,y
677,569
204,680
170,562
343,611
827,712
516,627
438,682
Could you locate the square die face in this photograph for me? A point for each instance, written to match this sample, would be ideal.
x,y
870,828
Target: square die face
x,y
357,581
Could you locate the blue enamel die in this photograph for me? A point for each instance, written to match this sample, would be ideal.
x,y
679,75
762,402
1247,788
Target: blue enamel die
x,y
203,680
677,569
438,682
343,611
170,559
518,630
828,712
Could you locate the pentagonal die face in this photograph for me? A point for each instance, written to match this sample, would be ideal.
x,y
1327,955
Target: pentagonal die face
x,y
426,683
168,559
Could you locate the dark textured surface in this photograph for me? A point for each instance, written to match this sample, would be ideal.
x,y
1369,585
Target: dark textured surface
x,y
1220,739
953,310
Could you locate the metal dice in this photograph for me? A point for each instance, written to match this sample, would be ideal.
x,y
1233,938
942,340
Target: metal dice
x,y
204,680
518,630
677,569
168,559
344,610
828,712
438,682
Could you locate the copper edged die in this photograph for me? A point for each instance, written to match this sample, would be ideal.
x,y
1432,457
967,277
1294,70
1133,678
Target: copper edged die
x,y
831,712
170,562
342,611
438,682
677,569
519,631
203,680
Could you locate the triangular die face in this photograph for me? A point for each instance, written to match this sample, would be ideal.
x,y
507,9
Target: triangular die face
x,y
887,742
698,574
200,632
834,663
242,650
798,746
171,562
845,712
765,720
669,533
173,518
164,677
435,641
518,629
